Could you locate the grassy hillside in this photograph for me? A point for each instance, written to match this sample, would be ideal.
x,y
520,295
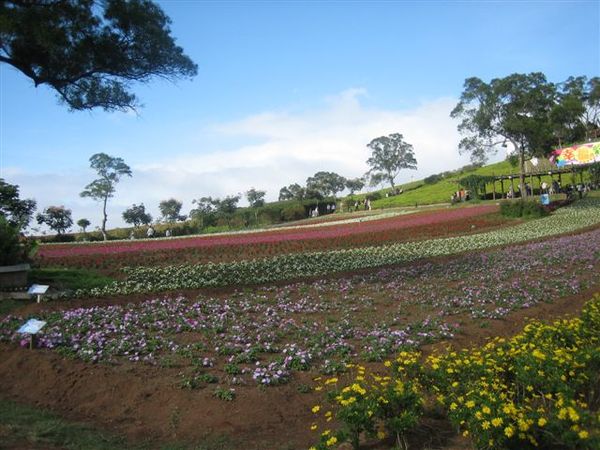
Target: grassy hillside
x,y
418,192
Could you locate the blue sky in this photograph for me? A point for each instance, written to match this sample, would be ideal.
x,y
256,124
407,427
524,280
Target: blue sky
x,y
286,89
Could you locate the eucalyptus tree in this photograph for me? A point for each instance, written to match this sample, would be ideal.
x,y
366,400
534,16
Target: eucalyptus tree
x,y
110,170
390,154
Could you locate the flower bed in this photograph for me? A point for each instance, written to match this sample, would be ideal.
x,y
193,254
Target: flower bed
x,y
265,335
538,389
583,214
363,225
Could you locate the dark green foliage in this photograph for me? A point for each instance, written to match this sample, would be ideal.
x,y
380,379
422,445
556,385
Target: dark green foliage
x,y
83,224
89,52
432,179
68,278
476,183
136,215
11,251
16,211
255,198
58,218
325,183
389,155
293,212
170,210
523,208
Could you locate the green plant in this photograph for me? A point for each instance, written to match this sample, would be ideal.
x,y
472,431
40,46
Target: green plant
x,y
523,208
224,394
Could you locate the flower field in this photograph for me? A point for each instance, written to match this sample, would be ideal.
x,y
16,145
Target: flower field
x,y
301,265
255,357
359,232
538,389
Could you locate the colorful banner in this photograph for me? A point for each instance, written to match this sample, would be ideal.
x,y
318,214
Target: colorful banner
x,y
577,154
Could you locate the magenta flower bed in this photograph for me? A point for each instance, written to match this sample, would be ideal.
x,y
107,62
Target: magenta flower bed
x,y
334,231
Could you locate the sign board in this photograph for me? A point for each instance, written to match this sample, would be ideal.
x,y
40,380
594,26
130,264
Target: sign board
x,y
38,289
545,198
32,326
577,154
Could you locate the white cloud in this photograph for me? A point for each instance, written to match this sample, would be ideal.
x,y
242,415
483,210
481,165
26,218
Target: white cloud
x,y
286,147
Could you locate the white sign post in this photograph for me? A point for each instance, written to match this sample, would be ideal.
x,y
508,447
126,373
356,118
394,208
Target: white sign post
x,y
39,290
31,327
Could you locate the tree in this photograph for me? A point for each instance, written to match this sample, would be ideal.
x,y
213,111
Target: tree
x,y
170,210
390,154
292,192
17,212
255,198
83,224
326,183
110,170
58,218
355,184
514,109
228,205
204,211
136,215
88,51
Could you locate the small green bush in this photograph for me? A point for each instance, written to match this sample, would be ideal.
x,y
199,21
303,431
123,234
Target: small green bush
x,y
523,208
293,212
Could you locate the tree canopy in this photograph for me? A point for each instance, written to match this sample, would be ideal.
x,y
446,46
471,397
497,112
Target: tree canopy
x,y
171,210
110,170
390,154
90,52
326,183
58,218
255,198
514,109
136,215
16,211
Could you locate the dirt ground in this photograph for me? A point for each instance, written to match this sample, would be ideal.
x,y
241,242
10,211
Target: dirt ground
x,y
144,404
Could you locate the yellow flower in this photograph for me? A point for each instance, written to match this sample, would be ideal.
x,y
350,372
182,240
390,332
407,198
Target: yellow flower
x,y
485,425
583,434
316,409
486,410
453,406
465,433
331,441
542,421
331,381
470,404
497,421
508,431
313,427
387,363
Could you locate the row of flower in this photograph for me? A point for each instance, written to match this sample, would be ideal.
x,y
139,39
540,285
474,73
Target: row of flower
x,y
371,224
536,390
112,263
265,334
580,215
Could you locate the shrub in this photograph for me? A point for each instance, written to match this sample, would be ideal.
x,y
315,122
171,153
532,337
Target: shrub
x,y
523,208
10,248
293,212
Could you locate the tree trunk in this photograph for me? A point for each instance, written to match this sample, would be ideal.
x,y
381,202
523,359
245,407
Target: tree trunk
x,y
104,219
522,171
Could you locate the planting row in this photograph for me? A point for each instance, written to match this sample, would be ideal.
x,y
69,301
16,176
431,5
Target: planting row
x,y
364,225
264,335
536,390
113,263
580,215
